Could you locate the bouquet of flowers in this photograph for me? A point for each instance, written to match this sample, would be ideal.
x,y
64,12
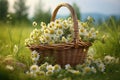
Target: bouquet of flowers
x,y
61,31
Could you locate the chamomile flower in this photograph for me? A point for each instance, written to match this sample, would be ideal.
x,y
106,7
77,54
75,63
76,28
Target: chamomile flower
x,y
35,56
47,38
34,23
83,24
46,31
57,21
59,32
74,71
57,67
65,24
93,69
82,32
9,67
49,72
64,40
50,26
50,67
108,59
58,26
96,32
40,73
52,31
15,49
86,69
42,24
52,23
101,67
34,68
42,39
89,35
67,66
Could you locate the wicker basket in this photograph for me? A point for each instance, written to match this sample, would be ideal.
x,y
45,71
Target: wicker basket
x,y
68,53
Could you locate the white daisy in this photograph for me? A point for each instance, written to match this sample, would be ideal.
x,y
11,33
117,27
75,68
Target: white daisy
x,y
67,66
74,71
34,23
34,68
64,39
50,67
57,67
9,67
49,72
86,69
35,55
93,69
101,67
59,32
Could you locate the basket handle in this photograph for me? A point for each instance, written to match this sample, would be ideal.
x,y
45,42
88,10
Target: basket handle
x,y
74,16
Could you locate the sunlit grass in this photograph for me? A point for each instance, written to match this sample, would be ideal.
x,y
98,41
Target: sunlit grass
x,y
12,43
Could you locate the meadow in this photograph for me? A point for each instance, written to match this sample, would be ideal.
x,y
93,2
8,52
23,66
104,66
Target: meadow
x,y
13,49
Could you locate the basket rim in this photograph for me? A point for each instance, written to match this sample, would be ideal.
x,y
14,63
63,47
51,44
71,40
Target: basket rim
x,y
59,46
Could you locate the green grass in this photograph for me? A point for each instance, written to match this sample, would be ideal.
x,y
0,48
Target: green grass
x,y
11,35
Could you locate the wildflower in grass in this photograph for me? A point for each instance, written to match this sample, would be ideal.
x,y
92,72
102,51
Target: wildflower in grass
x,y
49,72
57,67
117,60
98,61
101,67
74,71
89,35
88,62
34,23
50,67
40,73
67,66
34,68
30,73
92,30
9,67
108,59
104,37
89,18
97,32
15,49
83,24
35,56
93,69
86,69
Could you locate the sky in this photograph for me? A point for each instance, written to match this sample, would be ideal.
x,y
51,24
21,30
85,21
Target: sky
x,y
107,7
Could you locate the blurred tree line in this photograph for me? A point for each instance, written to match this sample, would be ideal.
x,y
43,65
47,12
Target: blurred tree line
x,y
20,14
